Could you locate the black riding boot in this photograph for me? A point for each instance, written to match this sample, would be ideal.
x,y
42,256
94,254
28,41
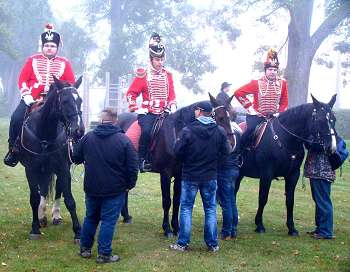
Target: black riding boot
x,y
11,158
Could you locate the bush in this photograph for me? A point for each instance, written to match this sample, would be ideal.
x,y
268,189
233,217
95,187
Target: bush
x,y
343,123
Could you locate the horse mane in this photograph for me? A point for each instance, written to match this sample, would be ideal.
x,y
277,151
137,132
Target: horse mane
x,y
294,113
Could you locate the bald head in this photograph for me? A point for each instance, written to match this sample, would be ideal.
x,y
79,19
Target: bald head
x,y
109,116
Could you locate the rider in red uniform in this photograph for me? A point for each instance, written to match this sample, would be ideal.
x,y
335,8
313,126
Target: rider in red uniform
x,y
34,80
270,96
155,84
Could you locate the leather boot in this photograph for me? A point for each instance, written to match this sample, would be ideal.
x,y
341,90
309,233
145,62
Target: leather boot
x,y
11,158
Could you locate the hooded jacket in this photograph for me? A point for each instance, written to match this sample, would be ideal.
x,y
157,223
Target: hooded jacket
x,y
199,148
110,161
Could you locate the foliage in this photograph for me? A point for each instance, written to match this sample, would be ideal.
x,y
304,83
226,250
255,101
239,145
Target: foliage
x,y
142,246
343,123
132,22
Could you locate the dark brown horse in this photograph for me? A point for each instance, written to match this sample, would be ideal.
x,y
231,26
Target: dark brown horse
x,y
281,152
44,147
162,153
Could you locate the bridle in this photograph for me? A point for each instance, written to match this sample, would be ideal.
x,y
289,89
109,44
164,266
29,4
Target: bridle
x,y
65,119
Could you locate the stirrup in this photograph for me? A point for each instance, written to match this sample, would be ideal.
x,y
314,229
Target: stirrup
x,y
10,159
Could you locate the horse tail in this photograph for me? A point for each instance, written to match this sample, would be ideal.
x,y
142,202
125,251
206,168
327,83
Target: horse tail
x,y
52,187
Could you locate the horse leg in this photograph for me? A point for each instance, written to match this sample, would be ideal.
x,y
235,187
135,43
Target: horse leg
x,y
165,182
237,185
291,182
56,208
176,204
44,189
264,188
34,203
70,204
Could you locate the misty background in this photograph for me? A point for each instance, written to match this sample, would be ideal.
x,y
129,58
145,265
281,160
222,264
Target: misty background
x,y
207,42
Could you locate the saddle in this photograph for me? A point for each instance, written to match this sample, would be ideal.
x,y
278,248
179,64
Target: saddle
x,y
257,134
134,132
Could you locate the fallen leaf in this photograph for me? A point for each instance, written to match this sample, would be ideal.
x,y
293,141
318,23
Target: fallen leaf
x,y
4,264
296,252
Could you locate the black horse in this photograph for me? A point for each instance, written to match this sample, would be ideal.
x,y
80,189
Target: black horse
x,y
162,153
281,152
45,148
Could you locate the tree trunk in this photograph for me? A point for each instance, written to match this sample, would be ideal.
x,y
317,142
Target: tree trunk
x,y
302,47
299,55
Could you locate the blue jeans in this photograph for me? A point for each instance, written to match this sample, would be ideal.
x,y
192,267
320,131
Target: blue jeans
x,y
105,210
189,191
227,200
321,194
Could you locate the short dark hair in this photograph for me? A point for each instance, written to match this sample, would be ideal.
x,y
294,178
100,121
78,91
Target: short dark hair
x,y
109,115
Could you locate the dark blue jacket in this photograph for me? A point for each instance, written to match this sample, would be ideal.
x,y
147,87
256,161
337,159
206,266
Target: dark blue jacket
x,y
199,148
110,161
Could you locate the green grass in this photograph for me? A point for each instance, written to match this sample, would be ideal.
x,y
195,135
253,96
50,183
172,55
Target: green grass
x,y
142,246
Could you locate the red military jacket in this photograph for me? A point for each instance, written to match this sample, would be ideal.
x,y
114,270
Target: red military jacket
x,y
157,89
269,96
37,73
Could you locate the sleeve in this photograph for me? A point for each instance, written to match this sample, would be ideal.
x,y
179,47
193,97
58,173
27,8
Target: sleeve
x,y
181,144
133,92
68,74
131,164
24,78
284,97
78,154
242,92
172,96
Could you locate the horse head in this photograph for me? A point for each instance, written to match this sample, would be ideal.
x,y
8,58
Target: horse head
x,y
322,129
221,113
69,107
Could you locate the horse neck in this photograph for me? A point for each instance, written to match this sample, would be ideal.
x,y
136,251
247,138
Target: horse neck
x,y
48,119
297,119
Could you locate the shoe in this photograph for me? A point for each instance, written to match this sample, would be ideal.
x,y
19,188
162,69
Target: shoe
x,y
233,234
85,253
311,233
213,248
11,158
107,259
178,247
225,237
127,220
320,237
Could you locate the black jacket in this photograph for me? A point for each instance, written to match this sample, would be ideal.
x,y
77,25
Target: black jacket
x,y
233,159
110,161
199,148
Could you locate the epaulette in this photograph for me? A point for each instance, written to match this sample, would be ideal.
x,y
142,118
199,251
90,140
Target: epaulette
x,y
140,72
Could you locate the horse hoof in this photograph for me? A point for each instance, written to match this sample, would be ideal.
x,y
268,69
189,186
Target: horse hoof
x,y
57,221
293,233
34,236
260,230
43,222
76,241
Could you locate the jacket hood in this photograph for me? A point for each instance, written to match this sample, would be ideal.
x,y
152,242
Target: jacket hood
x,y
107,129
201,130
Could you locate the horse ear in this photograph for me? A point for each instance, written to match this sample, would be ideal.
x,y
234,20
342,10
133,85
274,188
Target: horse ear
x,y
316,103
78,82
332,102
213,100
57,82
228,102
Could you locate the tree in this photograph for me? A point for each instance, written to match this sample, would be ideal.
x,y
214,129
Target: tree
x,y
302,46
132,23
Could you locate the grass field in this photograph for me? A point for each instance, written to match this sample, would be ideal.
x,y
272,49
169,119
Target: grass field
x,y
142,246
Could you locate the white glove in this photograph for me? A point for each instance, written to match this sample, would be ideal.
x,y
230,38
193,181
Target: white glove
x,y
173,108
252,111
28,99
141,111
276,114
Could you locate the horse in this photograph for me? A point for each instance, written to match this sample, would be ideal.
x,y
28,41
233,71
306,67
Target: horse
x,y
44,150
162,153
280,152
